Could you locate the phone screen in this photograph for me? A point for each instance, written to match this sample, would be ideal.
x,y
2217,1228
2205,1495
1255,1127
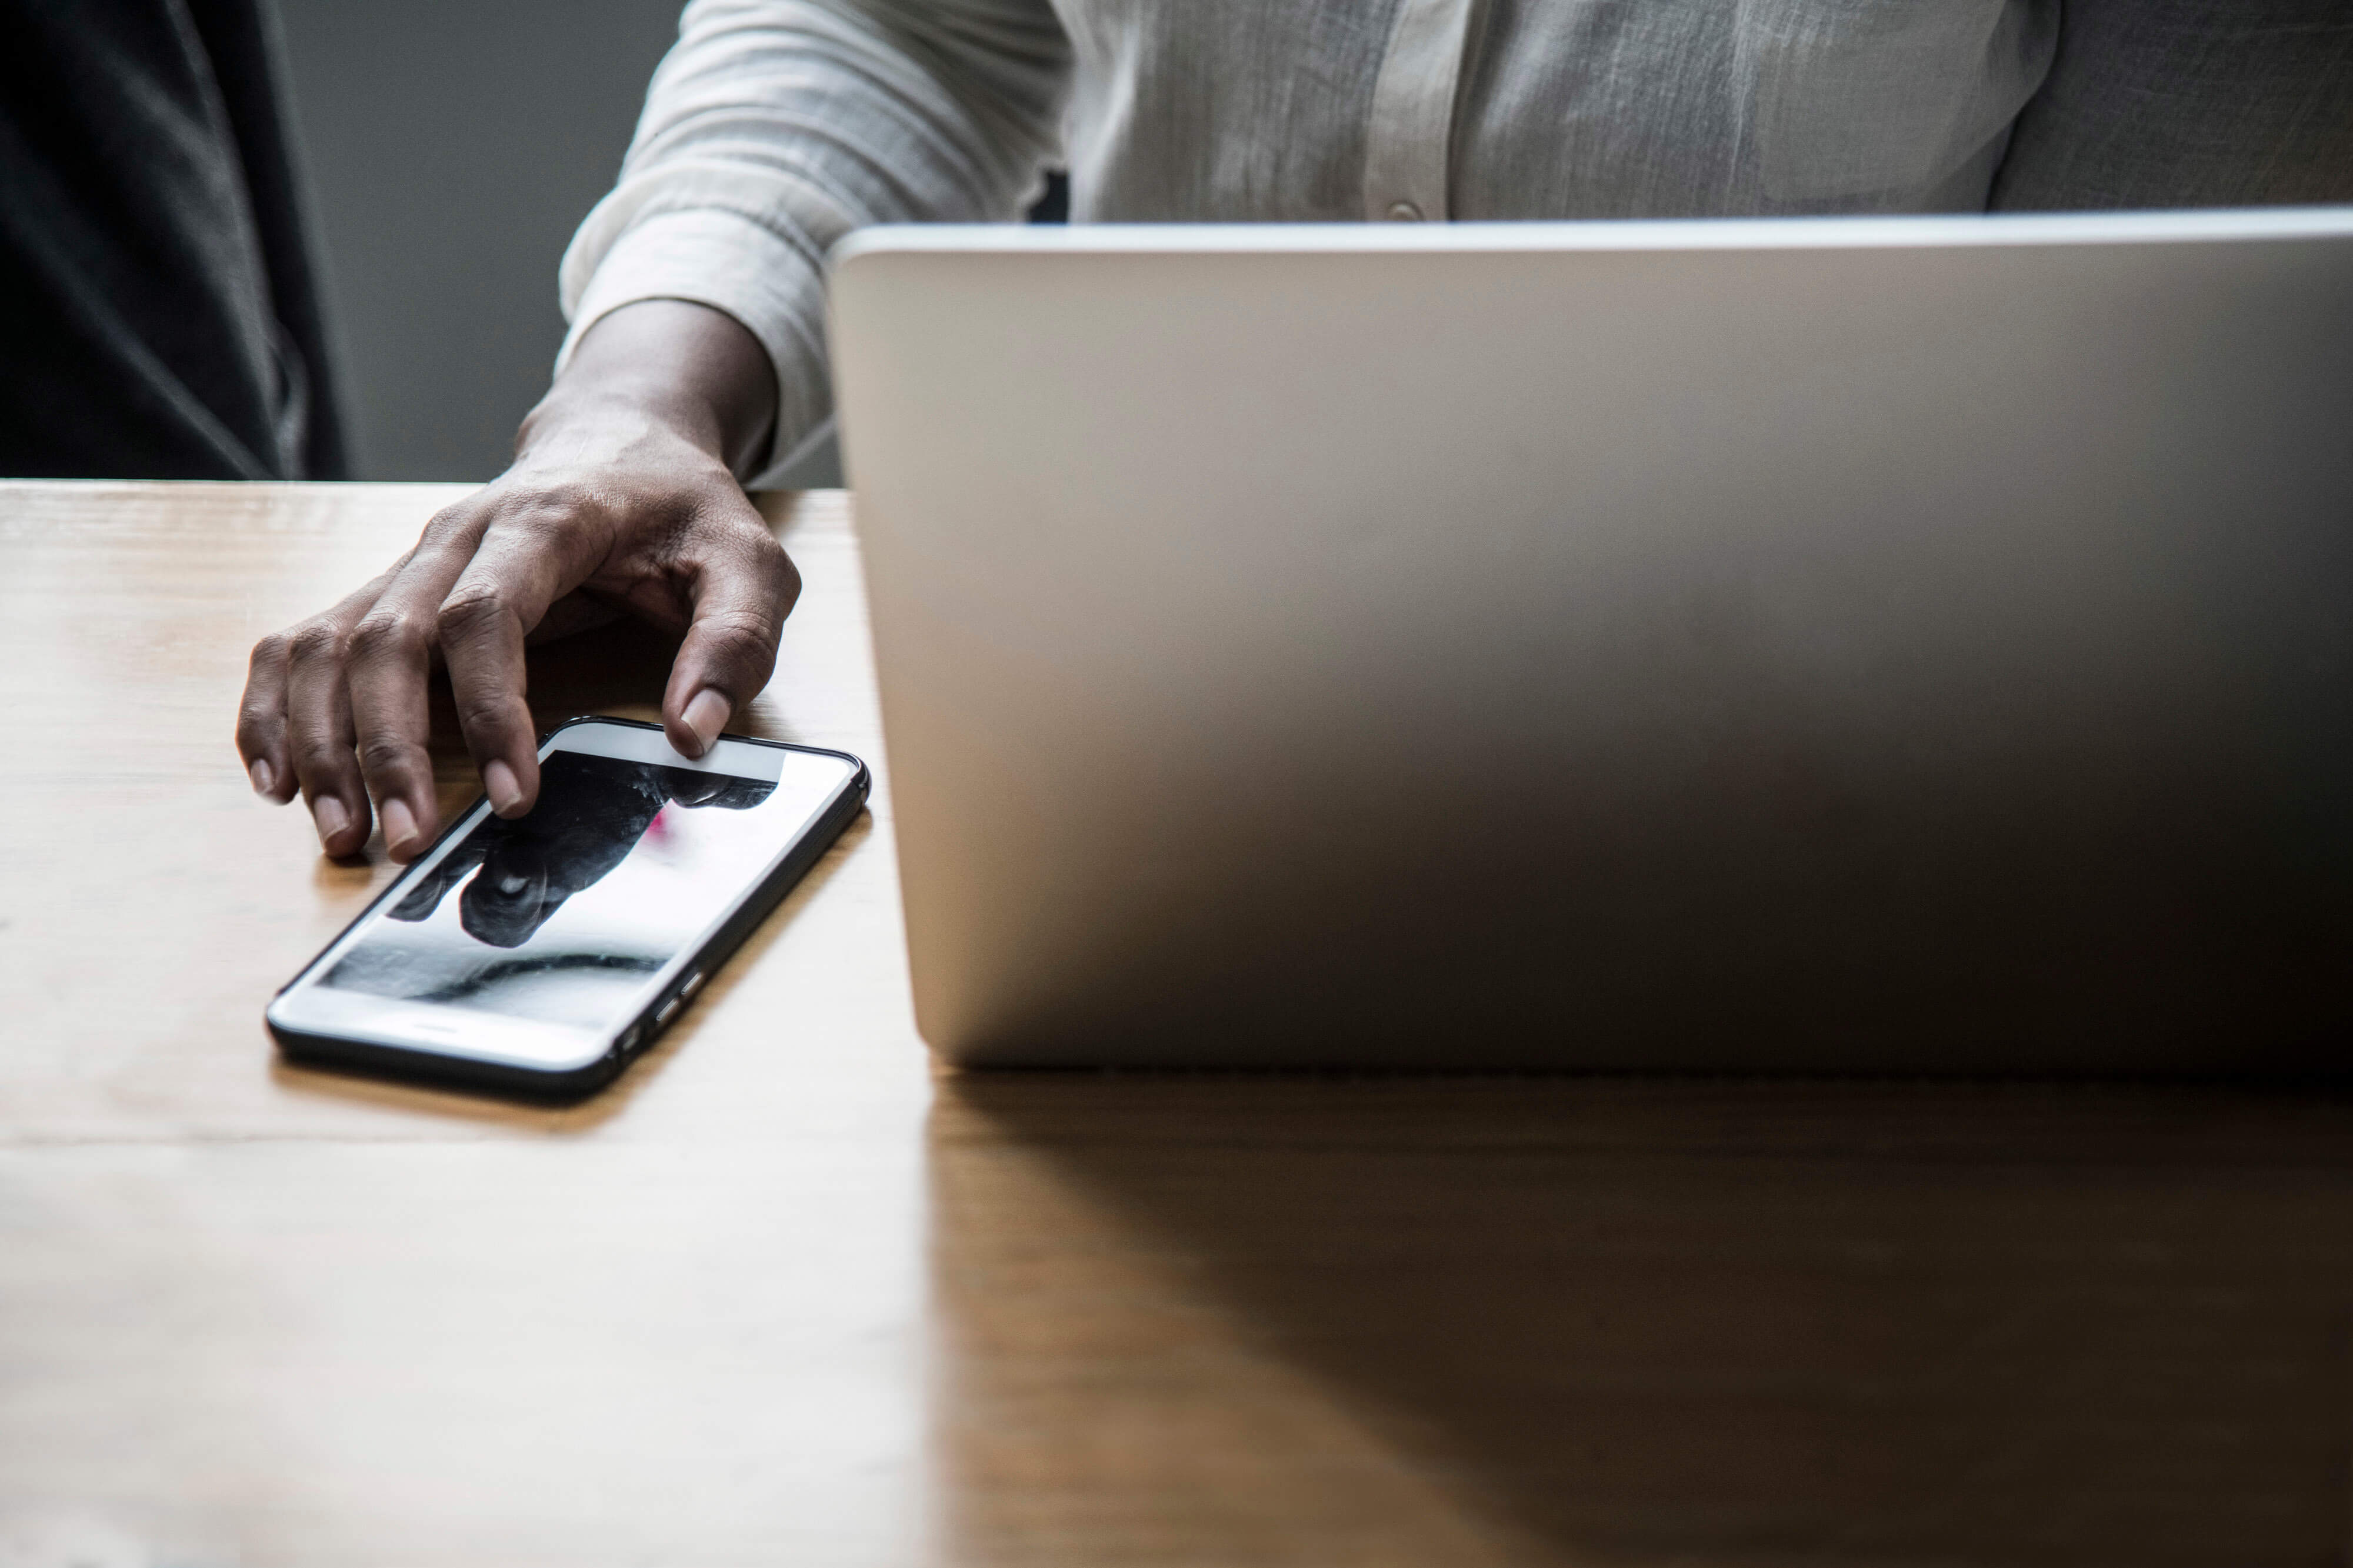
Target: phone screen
x,y
562,917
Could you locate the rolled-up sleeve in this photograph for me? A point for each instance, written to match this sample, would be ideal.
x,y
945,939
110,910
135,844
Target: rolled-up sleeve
x,y
774,126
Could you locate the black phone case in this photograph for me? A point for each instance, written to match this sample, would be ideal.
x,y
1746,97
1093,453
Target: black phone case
x,y
634,1036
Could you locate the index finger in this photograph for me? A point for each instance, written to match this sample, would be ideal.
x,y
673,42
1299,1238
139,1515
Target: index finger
x,y
525,563
389,665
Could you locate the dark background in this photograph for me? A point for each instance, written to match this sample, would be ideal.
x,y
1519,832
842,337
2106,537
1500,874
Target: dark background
x,y
454,146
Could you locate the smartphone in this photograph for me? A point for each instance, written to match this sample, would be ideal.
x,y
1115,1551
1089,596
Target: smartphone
x,y
537,956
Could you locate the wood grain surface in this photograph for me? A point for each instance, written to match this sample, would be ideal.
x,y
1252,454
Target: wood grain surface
x,y
785,1295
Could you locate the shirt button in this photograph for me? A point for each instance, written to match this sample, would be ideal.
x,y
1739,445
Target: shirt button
x,y
1405,211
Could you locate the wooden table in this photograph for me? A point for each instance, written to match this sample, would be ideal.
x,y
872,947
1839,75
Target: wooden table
x,y
786,1295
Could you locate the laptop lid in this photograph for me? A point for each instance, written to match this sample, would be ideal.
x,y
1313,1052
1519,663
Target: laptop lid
x,y
1886,643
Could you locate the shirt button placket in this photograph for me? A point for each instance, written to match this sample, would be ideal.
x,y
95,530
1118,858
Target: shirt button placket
x,y
1411,122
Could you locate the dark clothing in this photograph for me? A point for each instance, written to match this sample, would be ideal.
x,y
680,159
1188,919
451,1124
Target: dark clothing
x,y
162,315
2188,103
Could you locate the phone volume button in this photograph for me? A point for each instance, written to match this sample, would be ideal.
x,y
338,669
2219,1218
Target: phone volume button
x,y
693,983
668,1010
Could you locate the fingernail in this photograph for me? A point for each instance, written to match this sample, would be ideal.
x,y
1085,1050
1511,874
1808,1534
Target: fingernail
x,y
499,784
265,783
332,819
399,827
706,716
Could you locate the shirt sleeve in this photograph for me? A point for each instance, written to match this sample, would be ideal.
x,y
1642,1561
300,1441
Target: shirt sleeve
x,y
774,126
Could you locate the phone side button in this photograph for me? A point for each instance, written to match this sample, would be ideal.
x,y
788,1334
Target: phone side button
x,y
669,1010
693,983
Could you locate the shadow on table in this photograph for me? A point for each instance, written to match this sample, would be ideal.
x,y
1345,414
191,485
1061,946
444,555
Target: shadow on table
x,y
1631,1321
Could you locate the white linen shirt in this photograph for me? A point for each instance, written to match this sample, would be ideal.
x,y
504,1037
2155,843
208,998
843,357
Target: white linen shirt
x,y
774,126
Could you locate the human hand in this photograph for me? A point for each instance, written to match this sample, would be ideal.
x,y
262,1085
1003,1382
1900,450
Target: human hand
x,y
620,491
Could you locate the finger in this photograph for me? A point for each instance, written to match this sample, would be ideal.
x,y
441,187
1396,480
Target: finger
x,y
527,561
743,586
261,720
319,728
389,664
263,732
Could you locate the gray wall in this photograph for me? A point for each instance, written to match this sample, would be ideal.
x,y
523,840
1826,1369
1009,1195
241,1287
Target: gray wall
x,y
454,146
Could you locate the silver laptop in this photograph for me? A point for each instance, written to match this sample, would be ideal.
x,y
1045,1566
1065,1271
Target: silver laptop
x,y
1918,644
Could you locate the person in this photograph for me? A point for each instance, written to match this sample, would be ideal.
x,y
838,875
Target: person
x,y
164,316
696,357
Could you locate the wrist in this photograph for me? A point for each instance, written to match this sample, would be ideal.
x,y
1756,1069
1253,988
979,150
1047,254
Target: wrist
x,y
686,371
609,417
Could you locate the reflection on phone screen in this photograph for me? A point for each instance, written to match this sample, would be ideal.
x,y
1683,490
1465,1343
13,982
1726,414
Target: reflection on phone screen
x,y
560,915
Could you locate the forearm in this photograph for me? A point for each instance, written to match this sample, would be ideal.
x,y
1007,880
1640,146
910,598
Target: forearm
x,y
692,371
774,126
